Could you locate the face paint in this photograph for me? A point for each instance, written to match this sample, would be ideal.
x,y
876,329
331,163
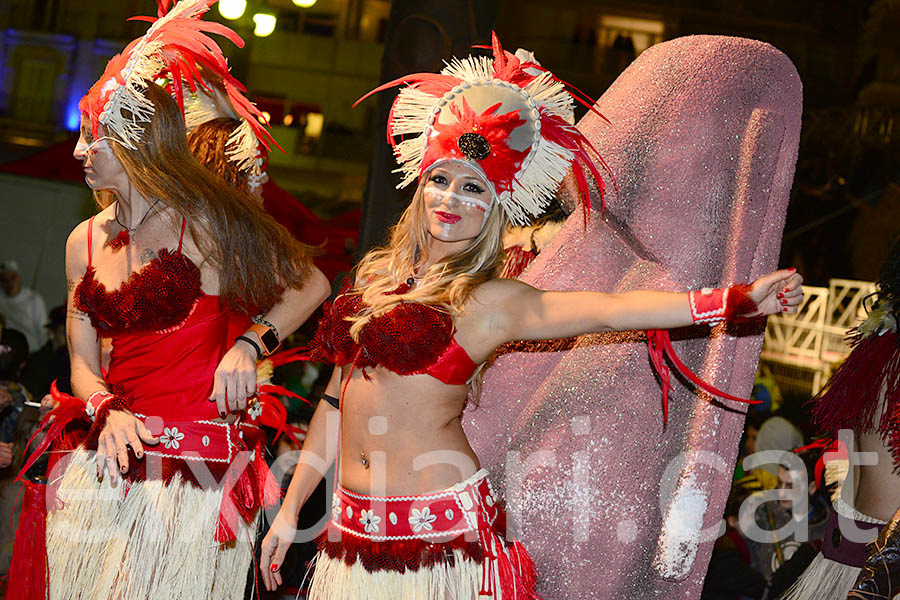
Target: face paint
x,y
468,202
95,146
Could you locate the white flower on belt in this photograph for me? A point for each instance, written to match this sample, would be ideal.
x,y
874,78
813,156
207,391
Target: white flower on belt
x,y
370,521
170,437
423,519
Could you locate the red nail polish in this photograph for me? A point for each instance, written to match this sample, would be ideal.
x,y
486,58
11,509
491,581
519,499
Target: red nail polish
x,y
783,301
779,295
274,568
784,309
787,289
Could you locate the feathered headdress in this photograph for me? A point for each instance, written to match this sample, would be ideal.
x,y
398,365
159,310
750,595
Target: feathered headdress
x,y
177,46
508,117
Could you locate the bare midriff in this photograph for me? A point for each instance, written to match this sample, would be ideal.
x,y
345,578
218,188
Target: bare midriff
x,y
402,435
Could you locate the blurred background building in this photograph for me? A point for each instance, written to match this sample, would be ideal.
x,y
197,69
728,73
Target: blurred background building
x,y
307,67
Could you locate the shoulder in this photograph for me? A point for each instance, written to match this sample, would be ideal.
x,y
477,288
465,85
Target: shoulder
x,y
77,247
498,291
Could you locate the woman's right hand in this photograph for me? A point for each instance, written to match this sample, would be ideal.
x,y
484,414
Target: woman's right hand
x,y
122,429
275,545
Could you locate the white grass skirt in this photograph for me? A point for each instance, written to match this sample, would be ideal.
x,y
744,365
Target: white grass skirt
x,y
157,541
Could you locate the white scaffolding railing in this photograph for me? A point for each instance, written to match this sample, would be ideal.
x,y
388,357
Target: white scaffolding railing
x,y
800,351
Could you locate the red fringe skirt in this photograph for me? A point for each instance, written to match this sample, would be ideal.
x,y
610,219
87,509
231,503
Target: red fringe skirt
x,y
449,544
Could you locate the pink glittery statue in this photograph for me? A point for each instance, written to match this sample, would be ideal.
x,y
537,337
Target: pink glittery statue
x,y
610,501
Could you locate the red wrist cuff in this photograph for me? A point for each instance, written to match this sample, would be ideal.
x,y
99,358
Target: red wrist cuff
x,y
95,401
708,305
714,305
113,402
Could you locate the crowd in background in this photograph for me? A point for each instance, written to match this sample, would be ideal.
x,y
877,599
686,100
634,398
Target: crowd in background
x,y
745,567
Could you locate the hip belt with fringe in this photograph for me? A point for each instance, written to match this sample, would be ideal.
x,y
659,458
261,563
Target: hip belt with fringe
x,y
205,454
458,529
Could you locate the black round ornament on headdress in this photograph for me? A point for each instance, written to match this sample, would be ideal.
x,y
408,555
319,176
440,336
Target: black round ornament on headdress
x,y
474,145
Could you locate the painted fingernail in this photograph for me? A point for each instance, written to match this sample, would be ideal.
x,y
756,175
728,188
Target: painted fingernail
x,y
138,454
784,301
787,289
221,414
779,295
784,309
123,469
793,270
274,568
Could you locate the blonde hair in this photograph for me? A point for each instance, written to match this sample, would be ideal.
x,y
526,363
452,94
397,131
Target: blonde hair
x,y
447,284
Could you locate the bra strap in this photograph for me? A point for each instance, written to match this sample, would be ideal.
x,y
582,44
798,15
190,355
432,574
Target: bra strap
x,y
90,240
181,239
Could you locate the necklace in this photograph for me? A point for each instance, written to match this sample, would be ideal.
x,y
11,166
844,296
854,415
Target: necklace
x,y
124,236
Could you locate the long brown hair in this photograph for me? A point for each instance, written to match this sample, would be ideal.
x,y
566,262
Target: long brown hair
x,y
256,258
208,142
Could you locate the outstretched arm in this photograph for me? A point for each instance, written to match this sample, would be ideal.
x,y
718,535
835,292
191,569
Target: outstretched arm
x,y
522,312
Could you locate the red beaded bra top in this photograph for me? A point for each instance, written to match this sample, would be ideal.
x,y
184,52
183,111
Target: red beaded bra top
x,y
410,339
159,296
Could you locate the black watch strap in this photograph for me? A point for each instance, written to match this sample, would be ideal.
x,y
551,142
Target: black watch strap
x,y
252,343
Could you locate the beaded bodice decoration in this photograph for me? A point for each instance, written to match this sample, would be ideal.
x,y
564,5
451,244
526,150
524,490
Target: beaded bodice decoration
x,y
158,296
410,339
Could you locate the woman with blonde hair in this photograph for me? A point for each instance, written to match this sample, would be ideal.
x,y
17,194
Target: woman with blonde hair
x,y
488,141
158,492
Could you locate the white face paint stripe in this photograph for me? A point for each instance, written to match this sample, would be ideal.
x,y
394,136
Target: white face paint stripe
x,y
486,207
90,147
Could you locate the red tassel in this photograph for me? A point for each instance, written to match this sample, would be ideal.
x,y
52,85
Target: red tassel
x,y
28,569
850,398
238,499
659,344
507,576
269,490
524,566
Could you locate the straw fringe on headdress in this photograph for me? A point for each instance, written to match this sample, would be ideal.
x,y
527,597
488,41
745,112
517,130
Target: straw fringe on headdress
x,y
452,114
176,46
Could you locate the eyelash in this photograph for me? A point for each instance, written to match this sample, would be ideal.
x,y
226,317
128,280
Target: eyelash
x,y
469,187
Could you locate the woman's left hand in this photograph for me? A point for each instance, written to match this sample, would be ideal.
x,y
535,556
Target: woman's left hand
x,y
235,379
781,291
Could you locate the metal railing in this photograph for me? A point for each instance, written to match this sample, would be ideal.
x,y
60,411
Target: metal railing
x,y
802,350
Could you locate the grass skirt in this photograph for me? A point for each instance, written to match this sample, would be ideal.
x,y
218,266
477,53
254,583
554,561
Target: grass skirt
x,y
146,540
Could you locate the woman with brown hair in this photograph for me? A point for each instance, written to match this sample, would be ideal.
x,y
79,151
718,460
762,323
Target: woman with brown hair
x,y
171,271
209,143
487,142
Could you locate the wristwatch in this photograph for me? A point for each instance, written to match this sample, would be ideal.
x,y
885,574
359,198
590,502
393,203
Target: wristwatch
x,y
267,336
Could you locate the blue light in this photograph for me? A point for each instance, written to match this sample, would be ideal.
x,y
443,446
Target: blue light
x,y
73,117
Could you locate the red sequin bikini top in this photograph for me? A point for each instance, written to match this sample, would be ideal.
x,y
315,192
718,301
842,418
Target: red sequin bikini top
x,y
159,296
410,339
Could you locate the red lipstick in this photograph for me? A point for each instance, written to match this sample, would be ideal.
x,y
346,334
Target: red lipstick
x,y
446,217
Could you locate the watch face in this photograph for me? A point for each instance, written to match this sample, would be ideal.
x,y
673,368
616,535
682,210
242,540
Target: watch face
x,y
269,340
